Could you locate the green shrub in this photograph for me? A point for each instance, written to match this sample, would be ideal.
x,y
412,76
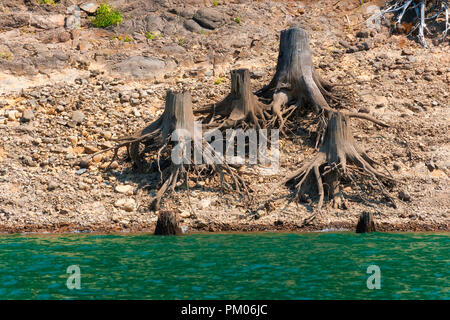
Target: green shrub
x,y
237,20
181,41
106,16
215,3
50,2
150,35
5,55
218,81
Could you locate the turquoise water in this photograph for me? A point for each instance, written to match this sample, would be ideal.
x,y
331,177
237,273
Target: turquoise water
x,y
226,266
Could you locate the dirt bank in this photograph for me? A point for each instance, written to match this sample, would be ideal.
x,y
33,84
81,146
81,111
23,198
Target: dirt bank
x,y
68,93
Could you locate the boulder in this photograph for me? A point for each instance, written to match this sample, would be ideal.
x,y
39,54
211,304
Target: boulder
x,y
209,18
139,67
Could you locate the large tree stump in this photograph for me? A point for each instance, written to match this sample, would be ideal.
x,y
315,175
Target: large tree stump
x,y
167,224
366,223
295,80
172,137
338,155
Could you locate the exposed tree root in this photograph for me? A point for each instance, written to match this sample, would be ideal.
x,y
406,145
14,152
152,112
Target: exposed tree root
x,y
421,11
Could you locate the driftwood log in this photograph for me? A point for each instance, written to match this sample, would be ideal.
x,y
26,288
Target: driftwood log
x,y
167,224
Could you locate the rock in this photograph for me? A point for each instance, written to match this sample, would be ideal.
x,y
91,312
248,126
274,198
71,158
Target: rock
x,y
84,46
83,186
141,67
404,195
83,163
73,22
52,185
209,18
192,26
362,34
89,7
77,117
27,115
380,102
48,21
90,149
125,189
185,214
126,204
12,115
114,165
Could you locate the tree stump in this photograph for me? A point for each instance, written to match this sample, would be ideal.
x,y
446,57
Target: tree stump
x,y
366,223
295,79
172,137
167,224
337,151
238,106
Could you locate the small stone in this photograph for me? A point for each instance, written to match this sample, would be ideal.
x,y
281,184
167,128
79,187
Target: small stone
x,y
27,115
97,158
114,165
78,117
83,163
404,195
12,115
90,149
397,166
83,186
89,7
381,102
362,34
127,204
52,185
73,139
185,214
125,189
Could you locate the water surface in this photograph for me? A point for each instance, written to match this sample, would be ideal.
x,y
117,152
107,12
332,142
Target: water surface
x,y
226,266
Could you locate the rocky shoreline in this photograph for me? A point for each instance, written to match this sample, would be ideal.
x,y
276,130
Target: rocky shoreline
x,y
67,93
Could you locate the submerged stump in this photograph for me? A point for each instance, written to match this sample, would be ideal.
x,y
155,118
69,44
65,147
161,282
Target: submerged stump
x,y
366,223
167,224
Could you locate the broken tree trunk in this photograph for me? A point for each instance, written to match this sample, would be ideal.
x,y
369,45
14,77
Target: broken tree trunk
x,y
338,155
366,223
167,224
238,106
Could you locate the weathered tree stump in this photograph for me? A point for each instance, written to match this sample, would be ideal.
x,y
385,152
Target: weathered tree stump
x,y
295,79
238,106
172,137
366,223
167,224
337,152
